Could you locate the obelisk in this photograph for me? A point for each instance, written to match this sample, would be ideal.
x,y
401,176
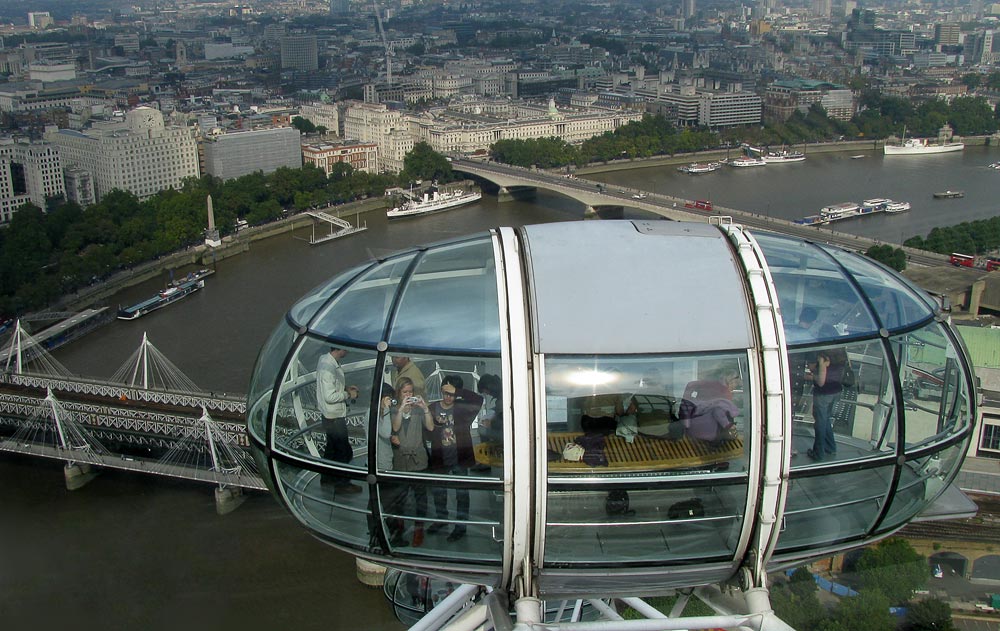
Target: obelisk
x,y
212,234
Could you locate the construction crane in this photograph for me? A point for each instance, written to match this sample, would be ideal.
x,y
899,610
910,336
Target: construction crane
x,y
385,44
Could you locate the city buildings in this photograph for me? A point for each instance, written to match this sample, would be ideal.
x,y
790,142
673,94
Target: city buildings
x,y
362,156
234,154
140,154
30,172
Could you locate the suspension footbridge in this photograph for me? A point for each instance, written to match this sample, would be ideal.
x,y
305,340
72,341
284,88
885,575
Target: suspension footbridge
x,y
147,418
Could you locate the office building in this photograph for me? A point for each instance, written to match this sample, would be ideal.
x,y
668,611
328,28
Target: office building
x,y
235,154
30,172
299,52
141,155
362,156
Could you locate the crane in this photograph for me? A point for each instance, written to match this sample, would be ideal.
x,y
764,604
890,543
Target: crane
x,y
385,43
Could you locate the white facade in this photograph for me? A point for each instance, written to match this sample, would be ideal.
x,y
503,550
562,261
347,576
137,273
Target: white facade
x,y
375,122
141,155
322,115
48,72
30,172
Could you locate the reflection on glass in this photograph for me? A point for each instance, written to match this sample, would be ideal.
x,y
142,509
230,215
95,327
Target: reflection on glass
x,y
322,410
303,310
314,500
852,414
625,414
894,302
584,525
921,480
450,301
934,388
833,507
272,355
372,295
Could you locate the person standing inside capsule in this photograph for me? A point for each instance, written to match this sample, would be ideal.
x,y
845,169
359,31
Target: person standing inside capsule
x,y
332,395
451,447
827,376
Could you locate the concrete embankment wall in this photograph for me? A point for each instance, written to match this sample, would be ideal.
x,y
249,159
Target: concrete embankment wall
x,y
855,146
232,245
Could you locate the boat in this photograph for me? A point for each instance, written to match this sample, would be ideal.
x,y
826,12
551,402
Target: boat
x,y
696,168
897,207
949,194
170,295
812,220
995,165
877,204
784,156
858,157
840,211
921,146
747,161
432,202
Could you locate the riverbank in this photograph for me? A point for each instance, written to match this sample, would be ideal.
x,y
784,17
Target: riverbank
x,y
203,255
854,146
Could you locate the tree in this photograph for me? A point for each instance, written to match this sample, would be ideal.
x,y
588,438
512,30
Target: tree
x,y
796,601
893,257
893,568
929,615
304,125
423,163
868,611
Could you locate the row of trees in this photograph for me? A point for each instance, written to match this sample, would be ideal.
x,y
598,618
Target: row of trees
x,y
44,255
880,117
889,573
981,236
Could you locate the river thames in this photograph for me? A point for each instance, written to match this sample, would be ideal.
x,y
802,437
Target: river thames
x,y
129,551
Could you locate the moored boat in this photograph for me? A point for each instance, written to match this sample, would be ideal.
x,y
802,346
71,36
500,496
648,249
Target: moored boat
x,y
173,292
433,202
784,156
897,207
840,211
747,161
874,205
696,168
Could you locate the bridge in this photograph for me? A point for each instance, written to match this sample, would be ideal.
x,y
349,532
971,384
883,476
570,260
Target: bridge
x,y
597,197
147,418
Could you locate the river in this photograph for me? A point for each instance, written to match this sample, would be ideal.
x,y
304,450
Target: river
x,y
130,551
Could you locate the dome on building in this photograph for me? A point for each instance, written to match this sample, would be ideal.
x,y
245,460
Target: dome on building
x,y
611,407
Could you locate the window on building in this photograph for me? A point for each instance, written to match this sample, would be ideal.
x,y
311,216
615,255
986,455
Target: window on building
x,y
991,436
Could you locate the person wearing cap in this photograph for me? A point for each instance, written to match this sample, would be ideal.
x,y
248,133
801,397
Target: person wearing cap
x,y
332,395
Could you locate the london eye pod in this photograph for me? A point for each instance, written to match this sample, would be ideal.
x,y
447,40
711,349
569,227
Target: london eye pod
x,y
613,408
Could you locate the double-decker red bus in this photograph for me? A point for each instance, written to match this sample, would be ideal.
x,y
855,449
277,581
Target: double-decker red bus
x,y
964,260
992,264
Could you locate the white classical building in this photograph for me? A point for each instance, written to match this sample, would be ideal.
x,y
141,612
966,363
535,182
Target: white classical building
x,y
322,115
29,172
141,155
473,125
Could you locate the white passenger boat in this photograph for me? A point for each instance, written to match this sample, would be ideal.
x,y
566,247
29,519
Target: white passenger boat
x,y
432,202
840,211
696,168
876,204
897,207
784,156
747,161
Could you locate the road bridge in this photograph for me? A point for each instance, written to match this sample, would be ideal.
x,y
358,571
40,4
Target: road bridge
x,y
597,196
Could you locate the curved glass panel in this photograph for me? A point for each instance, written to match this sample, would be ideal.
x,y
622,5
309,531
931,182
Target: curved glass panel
x,y
632,415
303,310
818,304
824,509
920,482
584,524
450,301
894,303
322,410
934,386
360,312
265,375
636,417
845,412
314,501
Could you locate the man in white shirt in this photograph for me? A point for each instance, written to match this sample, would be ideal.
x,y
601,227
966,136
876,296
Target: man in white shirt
x,y
332,394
